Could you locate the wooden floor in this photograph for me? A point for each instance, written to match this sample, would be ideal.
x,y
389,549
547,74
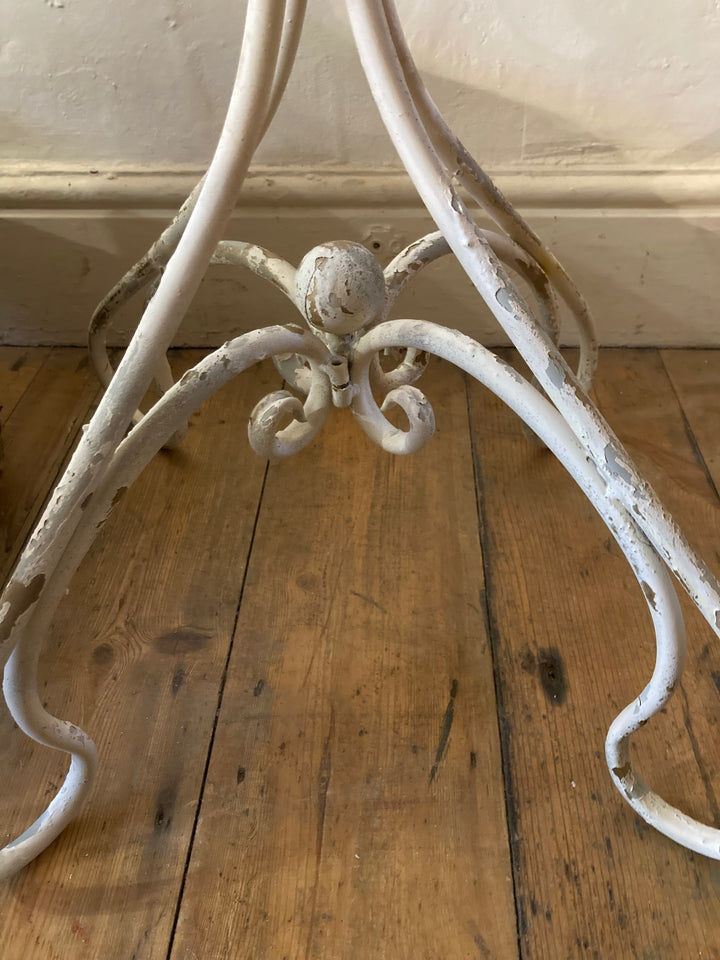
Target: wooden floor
x,y
341,717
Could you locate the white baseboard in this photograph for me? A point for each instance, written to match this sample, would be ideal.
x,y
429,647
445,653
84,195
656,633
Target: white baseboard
x,y
642,246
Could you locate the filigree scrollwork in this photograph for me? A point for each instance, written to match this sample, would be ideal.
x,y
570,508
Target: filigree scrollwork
x,y
281,424
409,366
341,292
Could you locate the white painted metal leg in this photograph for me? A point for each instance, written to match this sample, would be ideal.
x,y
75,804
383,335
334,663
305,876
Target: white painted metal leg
x,y
468,172
30,588
387,65
343,299
151,266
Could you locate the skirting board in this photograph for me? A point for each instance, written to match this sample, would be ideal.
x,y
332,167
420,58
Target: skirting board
x,y
643,246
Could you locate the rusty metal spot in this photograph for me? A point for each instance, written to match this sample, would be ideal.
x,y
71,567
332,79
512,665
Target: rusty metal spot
x,y
504,298
555,374
615,466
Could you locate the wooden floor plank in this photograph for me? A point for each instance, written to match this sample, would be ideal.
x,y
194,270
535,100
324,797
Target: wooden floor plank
x,y
354,803
695,376
136,657
18,368
573,646
37,437
670,456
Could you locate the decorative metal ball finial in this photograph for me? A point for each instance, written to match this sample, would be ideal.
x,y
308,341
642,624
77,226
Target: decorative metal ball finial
x,y
340,287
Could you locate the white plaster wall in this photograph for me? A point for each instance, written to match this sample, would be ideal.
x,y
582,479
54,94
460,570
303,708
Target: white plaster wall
x,y
600,120
629,83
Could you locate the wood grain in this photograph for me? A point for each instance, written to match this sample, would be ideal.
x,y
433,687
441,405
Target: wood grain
x,y
354,804
356,801
695,376
137,657
573,644
48,402
18,368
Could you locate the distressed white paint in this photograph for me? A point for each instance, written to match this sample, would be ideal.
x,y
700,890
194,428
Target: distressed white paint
x,y
339,360
626,83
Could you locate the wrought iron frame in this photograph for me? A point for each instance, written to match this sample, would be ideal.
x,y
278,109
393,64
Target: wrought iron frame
x,y
332,359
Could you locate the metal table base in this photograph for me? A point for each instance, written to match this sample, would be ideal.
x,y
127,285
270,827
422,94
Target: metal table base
x,y
331,359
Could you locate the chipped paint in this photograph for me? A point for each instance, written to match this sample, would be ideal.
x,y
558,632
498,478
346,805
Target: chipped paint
x,y
649,594
616,467
556,374
340,288
17,598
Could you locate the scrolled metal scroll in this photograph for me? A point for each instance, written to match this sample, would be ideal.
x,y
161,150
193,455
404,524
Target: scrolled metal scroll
x,y
410,366
407,264
269,432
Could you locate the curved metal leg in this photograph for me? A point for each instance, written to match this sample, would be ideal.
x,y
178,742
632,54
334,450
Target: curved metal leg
x,y
468,172
127,462
649,569
178,284
20,690
32,591
404,118
447,208
150,267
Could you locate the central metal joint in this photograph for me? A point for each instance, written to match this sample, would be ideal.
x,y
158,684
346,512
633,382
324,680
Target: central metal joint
x,y
340,288
338,373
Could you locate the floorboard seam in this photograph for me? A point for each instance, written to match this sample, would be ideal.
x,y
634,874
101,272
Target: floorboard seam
x,y
692,439
73,437
494,637
221,691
